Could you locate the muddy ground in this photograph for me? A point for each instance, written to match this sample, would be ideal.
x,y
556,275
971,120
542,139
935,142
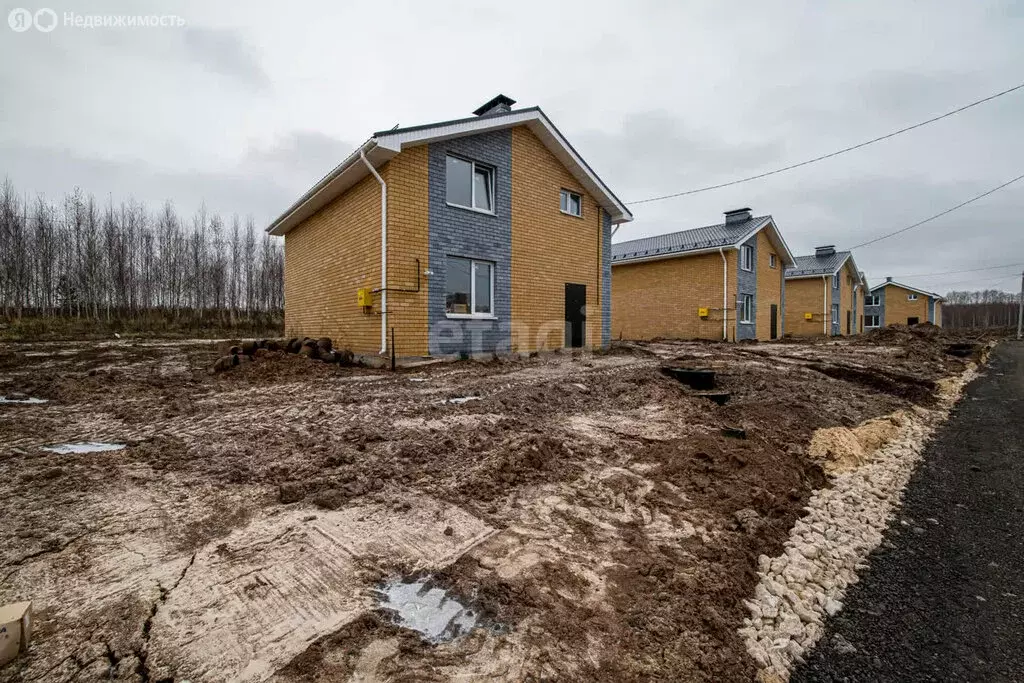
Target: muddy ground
x,y
590,508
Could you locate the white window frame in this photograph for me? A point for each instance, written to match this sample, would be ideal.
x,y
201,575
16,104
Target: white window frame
x,y
873,300
911,297
878,321
746,257
747,308
772,260
835,281
472,315
568,194
472,185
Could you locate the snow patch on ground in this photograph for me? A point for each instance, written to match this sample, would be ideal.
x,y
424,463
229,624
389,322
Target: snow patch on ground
x,y
83,447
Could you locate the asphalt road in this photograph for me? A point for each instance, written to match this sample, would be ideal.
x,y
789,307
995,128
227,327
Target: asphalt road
x,y
943,599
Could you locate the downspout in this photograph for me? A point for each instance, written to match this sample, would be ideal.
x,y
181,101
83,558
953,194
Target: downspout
x,y
383,253
824,304
853,304
725,295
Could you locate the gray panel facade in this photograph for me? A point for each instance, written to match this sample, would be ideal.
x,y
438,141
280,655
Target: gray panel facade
x,y
835,298
460,232
746,284
606,279
878,310
931,310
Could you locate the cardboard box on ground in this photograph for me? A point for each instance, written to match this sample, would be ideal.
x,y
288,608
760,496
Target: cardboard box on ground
x,y
15,630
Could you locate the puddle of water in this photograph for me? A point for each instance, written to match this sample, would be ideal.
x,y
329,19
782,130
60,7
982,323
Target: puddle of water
x,y
423,607
461,399
22,401
83,447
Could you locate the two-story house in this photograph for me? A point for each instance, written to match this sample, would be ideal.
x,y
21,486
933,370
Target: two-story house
x,y
721,281
823,291
480,235
893,303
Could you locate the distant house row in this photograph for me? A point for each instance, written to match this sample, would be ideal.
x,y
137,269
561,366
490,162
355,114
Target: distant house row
x,y
491,234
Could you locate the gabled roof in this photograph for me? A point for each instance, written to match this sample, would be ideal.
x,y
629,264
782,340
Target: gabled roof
x,y
912,289
698,240
813,265
385,145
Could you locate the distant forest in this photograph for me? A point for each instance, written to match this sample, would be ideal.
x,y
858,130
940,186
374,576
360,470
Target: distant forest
x,y
124,266
982,309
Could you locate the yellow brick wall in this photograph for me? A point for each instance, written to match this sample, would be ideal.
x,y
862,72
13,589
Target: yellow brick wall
x,y
898,308
408,240
336,251
662,298
549,248
805,296
938,313
769,286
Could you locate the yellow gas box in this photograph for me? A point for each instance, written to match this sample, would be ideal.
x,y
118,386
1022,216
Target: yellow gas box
x,y
364,297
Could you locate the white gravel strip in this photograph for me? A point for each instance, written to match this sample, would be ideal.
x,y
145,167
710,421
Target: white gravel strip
x,y
827,547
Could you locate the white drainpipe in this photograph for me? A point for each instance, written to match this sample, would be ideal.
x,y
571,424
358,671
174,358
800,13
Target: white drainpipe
x,y
824,303
725,295
383,253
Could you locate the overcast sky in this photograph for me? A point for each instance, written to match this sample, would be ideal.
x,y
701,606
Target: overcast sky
x,y
251,102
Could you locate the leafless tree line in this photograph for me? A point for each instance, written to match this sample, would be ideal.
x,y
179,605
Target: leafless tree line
x,y
980,309
78,258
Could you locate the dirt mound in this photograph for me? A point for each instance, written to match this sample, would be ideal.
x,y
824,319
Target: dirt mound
x,y
840,449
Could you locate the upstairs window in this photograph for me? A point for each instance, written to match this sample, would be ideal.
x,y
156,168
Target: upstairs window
x,y
571,203
872,300
771,260
835,281
470,185
911,297
747,257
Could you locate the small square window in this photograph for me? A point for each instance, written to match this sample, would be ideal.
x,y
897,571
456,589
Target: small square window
x,y
911,297
469,185
747,257
571,203
746,308
771,260
871,321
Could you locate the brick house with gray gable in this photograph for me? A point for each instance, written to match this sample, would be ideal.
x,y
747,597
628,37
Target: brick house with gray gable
x,y
478,235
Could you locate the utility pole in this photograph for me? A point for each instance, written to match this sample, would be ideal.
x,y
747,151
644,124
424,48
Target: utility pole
x,y
1020,308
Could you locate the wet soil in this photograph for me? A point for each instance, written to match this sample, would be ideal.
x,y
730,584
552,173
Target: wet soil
x,y
627,525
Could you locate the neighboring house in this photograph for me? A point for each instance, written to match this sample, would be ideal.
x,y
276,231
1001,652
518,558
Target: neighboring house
x,y
485,234
823,294
892,303
717,282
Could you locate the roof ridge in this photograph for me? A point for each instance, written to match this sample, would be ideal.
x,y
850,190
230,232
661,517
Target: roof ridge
x,y
752,219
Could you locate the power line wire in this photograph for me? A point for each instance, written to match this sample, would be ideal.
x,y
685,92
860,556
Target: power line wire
x,y
938,215
969,270
831,154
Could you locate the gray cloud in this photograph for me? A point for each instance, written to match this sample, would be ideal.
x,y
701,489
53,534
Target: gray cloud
x,y
246,109
224,52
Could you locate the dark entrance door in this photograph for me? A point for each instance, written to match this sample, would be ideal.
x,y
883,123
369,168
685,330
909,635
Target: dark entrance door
x,y
775,322
575,315
913,321
849,321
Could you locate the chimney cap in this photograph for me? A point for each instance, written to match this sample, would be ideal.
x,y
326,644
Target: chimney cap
x,y
825,250
498,103
737,215
888,279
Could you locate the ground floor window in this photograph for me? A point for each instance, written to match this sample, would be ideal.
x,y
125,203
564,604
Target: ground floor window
x,y
469,290
871,320
746,308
